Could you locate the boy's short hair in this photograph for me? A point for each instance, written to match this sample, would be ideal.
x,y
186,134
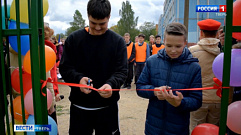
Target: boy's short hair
x,y
127,34
177,29
152,36
99,9
208,33
157,36
141,35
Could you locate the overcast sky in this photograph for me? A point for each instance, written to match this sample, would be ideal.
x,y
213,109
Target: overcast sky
x,y
61,12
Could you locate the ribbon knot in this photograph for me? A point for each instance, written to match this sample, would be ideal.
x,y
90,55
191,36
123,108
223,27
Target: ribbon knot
x,y
44,83
218,85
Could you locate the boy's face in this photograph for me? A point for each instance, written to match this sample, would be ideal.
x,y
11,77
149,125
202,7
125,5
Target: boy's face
x,y
152,40
98,26
158,40
174,45
127,39
136,39
141,39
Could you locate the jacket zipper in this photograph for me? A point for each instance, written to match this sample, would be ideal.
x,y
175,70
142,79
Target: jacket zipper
x,y
164,105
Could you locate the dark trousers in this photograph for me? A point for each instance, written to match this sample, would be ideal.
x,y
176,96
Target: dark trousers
x,y
104,121
129,75
139,68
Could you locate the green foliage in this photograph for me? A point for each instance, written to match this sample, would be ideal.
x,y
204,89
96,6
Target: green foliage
x,y
78,23
114,28
127,22
148,28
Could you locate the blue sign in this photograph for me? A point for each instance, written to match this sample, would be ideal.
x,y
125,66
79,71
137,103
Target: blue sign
x,y
207,8
32,128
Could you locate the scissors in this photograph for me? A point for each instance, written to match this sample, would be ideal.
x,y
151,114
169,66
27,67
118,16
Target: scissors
x,y
89,83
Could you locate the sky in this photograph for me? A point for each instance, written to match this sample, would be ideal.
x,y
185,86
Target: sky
x,y
60,12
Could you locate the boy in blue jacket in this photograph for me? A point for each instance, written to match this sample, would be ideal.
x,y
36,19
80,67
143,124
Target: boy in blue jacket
x,y
171,68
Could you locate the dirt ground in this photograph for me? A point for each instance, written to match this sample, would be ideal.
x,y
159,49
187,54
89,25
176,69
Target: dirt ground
x,y
132,112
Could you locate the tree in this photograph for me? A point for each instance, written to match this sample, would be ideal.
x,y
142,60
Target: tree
x,y
78,23
127,22
148,28
114,28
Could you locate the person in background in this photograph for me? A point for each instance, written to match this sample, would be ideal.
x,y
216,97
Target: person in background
x,y
136,39
206,51
157,46
151,42
48,32
142,53
94,56
130,60
173,67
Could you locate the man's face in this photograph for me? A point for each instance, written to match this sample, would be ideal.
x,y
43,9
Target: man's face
x,y
127,39
141,39
98,27
158,40
174,45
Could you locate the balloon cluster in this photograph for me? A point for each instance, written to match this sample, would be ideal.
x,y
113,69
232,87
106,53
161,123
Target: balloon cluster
x,y
50,58
24,21
233,122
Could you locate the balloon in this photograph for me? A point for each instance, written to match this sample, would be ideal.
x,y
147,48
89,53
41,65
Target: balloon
x,y
54,128
50,59
3,15
25,44
236,18
235,73
234,117
28,101
23,4
17,109
15,80
205,129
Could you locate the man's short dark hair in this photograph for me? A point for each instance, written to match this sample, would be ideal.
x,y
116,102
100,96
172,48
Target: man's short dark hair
x,y
157,36
208,33
141,35
177,29
99,9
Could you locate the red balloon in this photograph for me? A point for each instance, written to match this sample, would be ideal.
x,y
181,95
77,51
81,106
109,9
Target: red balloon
x,y
236,18
205,129
15,80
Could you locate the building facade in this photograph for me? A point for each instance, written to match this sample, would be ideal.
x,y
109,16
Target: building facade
x,y
173,11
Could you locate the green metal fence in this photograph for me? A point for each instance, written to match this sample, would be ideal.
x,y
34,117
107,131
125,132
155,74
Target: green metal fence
x,y
227,62
36,37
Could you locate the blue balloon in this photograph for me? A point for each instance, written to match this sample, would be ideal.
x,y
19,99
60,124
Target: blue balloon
x,y
25,42
54,128
3,15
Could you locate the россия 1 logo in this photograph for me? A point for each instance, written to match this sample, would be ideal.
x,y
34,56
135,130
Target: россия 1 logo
x,y
211,8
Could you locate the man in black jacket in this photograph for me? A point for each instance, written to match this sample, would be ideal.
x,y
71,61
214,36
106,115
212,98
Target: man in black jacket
x,y
97,55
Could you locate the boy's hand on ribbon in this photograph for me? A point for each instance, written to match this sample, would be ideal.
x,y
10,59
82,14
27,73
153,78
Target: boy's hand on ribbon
x,y
159,94
173,99
105,91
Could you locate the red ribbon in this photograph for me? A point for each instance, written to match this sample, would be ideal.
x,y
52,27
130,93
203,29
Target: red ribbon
x,y
217,85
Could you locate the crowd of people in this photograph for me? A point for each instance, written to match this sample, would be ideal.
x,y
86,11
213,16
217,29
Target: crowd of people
x,y
99,57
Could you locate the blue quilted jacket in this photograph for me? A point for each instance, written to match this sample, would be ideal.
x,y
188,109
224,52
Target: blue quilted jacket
x,y
184,72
